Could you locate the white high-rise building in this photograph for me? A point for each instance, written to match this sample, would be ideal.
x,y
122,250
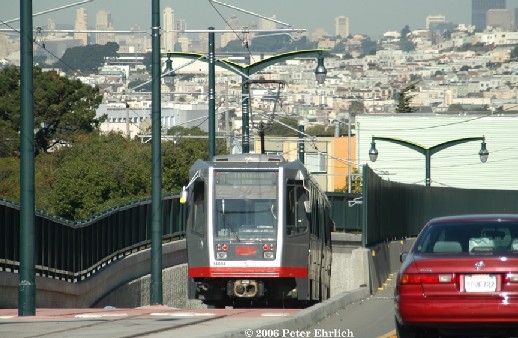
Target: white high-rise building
x,y
232,23
266,24
81,24
503,18
103,21
433,19
169,35
342,26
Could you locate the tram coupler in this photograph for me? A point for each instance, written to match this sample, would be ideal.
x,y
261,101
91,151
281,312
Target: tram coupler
x,y
245,288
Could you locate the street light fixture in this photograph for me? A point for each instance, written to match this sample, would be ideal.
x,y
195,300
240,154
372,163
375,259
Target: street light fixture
x,y
169,75
483,153
320,71
373,152
247,70
429,151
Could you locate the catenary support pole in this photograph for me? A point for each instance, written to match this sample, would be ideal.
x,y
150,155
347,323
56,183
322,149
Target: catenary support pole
x,y
27,285
156,158
212,96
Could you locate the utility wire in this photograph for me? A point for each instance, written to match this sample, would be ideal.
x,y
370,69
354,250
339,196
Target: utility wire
x,y
245,43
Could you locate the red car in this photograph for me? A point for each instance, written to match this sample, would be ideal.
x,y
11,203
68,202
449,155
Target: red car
x,y
460,278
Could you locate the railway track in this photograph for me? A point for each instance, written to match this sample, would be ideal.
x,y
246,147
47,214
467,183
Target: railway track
x,y
142,322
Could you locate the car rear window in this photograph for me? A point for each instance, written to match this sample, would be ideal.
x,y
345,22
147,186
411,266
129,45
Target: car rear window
x,y
474,238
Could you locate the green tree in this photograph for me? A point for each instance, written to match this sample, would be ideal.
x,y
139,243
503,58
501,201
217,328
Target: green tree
x,y
9,111
62,108
357,107
405,99
404,43
10,178
275,43
99,172
356,183
278,129
514,54
178,156
86,59
368,46
321,130
455,107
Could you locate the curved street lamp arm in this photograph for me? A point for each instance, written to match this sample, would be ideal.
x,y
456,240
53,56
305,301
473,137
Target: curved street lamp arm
x,y
254,67
442,146
414,146
260,65
226,64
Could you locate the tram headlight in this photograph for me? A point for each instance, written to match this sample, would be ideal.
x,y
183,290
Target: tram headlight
x,y
221,255
269,255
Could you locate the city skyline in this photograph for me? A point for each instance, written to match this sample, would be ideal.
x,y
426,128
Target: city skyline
x,y
370,17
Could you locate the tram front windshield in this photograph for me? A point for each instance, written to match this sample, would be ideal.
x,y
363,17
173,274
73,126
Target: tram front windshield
x,y
246,206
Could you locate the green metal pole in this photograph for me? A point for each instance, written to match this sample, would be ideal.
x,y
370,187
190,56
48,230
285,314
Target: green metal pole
x,y
27,285
428,157
212,96
245,94
156,167
301,143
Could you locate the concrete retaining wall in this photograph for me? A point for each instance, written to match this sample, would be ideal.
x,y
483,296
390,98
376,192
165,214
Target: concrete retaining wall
x,y
51,293
126,282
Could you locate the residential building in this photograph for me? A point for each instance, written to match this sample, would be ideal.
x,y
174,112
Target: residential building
x,y
326,157
135,118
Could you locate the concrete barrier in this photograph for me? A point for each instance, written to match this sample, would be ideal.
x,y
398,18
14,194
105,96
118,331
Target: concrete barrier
x,y
52,293
126,283
309,316
384,260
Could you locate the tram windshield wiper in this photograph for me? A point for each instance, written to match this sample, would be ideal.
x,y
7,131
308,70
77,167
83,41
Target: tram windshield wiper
x,y
236,235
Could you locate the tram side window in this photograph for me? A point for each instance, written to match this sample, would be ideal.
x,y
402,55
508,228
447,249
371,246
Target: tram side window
x,y
197,212
296,217
315,213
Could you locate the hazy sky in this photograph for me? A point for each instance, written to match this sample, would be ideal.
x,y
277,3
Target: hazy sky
x,y
371,17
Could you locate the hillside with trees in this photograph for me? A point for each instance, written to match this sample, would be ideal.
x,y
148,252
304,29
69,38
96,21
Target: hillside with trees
x,y
86,59
91,171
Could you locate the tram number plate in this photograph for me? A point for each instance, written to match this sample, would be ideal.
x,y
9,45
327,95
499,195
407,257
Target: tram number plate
x,y
480,283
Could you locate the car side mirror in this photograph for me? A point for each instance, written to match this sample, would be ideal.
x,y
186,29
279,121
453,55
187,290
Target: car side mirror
x,y
403,256
183,196
307,206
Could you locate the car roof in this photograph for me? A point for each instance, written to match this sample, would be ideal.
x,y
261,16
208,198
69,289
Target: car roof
x,y
474,218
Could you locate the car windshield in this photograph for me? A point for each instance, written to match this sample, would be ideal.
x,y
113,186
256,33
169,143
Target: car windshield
x,y
473,238
246,205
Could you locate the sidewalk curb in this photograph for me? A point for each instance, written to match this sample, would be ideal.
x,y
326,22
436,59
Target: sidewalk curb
x,y
310,316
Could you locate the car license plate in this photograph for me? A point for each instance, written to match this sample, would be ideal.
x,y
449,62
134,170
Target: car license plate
x,y
480,283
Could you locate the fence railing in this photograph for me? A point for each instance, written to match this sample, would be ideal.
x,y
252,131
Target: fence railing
x,y
393,210
73,251
346,211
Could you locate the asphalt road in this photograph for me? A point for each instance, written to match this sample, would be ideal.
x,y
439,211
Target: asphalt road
x,y
372,317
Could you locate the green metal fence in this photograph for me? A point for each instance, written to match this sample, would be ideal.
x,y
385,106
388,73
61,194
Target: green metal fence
x,y
394,210
74,251
346,211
